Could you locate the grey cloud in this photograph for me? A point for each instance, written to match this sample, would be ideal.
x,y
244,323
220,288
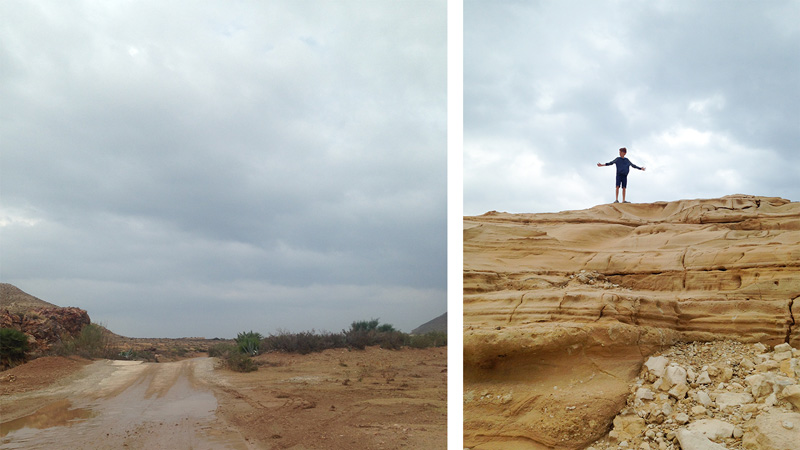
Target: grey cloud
x,y
291,143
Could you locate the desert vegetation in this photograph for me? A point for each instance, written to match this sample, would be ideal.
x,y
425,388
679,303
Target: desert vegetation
x,y
13,346
360,335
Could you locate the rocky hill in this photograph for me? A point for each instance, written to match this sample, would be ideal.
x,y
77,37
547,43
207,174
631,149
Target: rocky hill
x,y
437,324
43,322
15,300
561,310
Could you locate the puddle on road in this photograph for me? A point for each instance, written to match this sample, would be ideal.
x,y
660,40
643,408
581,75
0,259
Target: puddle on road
x,y
56,414
162,407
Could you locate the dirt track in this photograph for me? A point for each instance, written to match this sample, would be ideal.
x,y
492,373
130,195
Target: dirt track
x,y
338,399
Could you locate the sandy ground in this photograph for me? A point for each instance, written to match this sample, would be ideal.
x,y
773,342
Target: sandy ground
x,y
338,399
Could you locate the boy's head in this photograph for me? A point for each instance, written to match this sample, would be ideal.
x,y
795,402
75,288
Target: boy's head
x,y
623,151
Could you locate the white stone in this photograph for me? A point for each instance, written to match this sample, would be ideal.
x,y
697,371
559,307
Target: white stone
x,y
712,428
732,399
704,399
759,386
690,375
681,418
780,348
644,394
656,365
674,375
703,378
691,440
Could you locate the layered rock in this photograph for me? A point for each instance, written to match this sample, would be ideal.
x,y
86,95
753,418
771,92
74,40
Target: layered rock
x,y
561,310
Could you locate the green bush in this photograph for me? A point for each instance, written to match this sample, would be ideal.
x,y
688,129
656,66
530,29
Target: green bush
x,y
220,350
391,340
430,339
92,342
240,362
304,342
249,343
365,325
233,357
13,346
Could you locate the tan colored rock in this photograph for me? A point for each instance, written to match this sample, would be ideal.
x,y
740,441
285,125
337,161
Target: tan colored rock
x,y
713,429
732,399
628,426
792,395
770,432
653,275
693,440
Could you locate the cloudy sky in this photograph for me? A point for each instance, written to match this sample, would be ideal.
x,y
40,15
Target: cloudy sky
x,y
706,95
201,169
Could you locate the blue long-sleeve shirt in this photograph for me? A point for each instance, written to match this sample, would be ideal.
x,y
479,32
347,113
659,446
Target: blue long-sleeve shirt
x,y
623,165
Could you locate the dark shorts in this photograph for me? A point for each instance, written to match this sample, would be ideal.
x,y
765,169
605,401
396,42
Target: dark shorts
x,y
622,180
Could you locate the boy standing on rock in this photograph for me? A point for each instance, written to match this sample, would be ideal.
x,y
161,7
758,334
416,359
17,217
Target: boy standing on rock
x,y
623,167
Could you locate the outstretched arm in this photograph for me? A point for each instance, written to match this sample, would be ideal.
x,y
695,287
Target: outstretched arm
x,y
637,167
607,164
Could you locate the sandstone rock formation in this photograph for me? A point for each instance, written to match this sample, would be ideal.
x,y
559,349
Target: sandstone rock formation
x,y
561,310
44,323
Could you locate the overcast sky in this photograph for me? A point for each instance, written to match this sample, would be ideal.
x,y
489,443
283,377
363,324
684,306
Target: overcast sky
x,y
705,94
203,168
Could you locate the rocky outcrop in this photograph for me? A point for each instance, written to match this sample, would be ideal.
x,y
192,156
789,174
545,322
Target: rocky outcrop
x,y
561,310
44,323
719,395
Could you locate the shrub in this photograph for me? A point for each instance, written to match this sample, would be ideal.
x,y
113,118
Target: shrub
x,y
13,346
233,357
249,343
240,362
364,325
304,342
430,339
92,342
386,328
220,350
391,340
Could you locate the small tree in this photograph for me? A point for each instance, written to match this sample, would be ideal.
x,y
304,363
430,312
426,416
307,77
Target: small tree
x,y
13,345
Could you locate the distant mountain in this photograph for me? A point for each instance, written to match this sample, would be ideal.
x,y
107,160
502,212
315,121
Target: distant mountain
x,y
437,324
16,300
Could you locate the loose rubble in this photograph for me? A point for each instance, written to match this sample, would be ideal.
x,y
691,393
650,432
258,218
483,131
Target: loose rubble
x,y
712,396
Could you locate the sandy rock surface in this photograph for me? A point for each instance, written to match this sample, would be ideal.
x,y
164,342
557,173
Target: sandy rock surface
x,y
562,310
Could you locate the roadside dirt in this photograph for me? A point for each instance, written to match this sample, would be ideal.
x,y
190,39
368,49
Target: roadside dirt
x,y
337,399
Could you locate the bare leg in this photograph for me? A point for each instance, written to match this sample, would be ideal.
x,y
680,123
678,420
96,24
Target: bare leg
x,y
616,197
623,194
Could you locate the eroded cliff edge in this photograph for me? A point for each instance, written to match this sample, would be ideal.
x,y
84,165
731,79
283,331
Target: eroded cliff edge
x,y
560,310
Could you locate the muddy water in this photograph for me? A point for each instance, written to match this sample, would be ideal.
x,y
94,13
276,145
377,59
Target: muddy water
x,y
133,406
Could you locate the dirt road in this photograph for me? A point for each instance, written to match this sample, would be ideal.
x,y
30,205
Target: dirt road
x,y
121,404
338,399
